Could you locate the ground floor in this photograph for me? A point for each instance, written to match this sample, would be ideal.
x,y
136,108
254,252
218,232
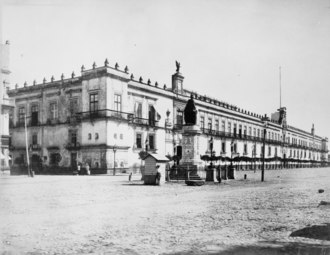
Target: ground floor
x,y
60,149
89,214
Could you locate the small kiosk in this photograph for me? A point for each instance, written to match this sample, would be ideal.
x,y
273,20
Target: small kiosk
x,y
152,161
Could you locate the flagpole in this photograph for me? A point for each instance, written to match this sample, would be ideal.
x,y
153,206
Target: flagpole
x,y
26,146
280,87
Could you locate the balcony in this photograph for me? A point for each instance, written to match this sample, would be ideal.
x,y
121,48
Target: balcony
x,y
145,122
35,147
73,146
106,113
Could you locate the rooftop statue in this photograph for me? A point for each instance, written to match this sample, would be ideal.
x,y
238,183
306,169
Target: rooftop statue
x,y
177,66
190,112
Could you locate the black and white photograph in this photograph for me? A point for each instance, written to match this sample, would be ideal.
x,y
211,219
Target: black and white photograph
x,y
163,127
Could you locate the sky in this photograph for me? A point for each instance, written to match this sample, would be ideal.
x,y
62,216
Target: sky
x,y
228,49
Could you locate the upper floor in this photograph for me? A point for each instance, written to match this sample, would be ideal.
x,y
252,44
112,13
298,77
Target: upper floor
x,y
110,93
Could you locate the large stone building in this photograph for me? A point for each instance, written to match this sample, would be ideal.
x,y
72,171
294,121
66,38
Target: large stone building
x,y
105,117
6,106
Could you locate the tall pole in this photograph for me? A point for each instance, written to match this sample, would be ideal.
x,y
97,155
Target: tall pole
x,y
114,159
280,88
26,146
263,157
264,119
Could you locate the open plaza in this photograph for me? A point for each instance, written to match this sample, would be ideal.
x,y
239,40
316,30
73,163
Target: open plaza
x,y
105,214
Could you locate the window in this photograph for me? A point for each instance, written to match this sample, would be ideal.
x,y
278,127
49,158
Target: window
x,y
258,132
217,125
34,115
35,139
202,123
117,103
209,124
269,151
53,111
235,129
229,127
73,137
254,151
151,140
93,102
152,115
179,117
223,126
89,136
96,136
139,141
250,131
138,110
275,151
240,130
235,148
245,131
21,115
254,132
223,147
73,108
245,149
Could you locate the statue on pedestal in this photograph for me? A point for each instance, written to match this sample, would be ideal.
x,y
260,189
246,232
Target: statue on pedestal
x,y
190,112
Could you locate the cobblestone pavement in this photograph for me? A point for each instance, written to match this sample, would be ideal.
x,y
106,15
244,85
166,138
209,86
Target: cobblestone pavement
x,y
109,215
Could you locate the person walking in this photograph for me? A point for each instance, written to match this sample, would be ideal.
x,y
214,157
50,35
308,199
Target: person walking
x,y
78,168
87,169
158,176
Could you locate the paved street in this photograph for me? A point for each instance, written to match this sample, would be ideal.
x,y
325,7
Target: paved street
x,y
107,214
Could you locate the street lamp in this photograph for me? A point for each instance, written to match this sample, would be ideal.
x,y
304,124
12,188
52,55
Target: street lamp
x,y
265,120
114,148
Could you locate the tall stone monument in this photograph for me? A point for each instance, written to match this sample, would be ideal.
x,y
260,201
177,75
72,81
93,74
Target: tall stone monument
x,y
191,135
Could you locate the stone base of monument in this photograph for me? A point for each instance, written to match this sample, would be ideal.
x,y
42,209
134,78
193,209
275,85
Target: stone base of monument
x,y
211,174
184,172
195,182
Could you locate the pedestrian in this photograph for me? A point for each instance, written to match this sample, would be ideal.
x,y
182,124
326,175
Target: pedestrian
x,y
87,169
78,168
158,176
130,177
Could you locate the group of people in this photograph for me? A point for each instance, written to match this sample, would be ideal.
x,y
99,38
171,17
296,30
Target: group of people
x,y
87,168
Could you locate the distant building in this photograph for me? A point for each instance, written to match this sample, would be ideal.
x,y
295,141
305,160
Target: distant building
x,y
6,106
105,117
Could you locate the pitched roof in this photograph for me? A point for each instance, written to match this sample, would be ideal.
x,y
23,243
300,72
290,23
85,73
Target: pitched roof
x,y
157,157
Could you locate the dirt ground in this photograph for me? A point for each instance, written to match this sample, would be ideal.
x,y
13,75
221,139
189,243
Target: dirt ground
x,y
109,215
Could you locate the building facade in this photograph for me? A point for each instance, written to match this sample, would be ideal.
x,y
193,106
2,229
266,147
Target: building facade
x,y
105,117
6,106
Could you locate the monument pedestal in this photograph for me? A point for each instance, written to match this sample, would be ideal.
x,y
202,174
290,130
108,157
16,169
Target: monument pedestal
x,y
211,174
190,145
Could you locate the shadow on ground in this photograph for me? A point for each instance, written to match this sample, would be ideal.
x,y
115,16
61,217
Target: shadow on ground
x,y
320,232
269,248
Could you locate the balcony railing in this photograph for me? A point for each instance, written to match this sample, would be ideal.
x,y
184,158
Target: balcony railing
x,y
145,122
237,136
73,146
106,113
35,147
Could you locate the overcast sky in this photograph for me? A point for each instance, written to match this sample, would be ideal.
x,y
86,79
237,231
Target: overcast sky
x,y
228,49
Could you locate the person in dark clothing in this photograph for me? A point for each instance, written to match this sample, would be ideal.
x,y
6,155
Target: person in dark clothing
x,y
158,176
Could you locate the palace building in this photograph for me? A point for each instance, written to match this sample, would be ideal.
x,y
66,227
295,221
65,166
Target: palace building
x,y
6,106
106,117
